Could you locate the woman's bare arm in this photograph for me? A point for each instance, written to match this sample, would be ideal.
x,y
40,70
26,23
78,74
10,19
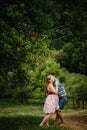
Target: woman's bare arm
x,y
53,89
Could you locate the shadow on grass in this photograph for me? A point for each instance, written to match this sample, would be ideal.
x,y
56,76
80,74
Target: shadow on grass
x,y
18,122
26,123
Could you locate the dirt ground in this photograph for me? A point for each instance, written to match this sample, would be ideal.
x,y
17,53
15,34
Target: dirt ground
x,y
76,121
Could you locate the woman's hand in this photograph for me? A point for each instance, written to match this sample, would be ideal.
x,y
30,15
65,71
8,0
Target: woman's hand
x,y
53,89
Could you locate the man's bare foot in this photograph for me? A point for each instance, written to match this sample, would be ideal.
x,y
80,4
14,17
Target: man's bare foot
x,y
56,122
61,124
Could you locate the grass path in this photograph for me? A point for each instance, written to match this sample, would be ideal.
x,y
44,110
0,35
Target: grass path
x,y
28,117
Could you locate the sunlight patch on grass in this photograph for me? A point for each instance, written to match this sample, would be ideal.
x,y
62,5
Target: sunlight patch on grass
x,y
22,110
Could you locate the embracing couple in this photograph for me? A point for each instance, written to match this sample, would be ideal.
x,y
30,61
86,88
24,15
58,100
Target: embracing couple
x,y
55,100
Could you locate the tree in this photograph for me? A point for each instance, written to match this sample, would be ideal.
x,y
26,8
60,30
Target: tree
x,y
73,57
76,89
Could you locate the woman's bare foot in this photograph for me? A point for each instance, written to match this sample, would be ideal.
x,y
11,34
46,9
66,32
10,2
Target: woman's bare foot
x,y
47,123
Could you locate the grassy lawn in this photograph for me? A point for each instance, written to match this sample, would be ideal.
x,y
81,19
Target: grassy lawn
x,y
24,117
8,109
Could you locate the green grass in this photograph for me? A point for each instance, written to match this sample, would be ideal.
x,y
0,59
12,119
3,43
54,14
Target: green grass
x,y
8,108
25,123
24,117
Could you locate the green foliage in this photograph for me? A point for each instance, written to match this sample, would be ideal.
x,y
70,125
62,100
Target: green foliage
x,y
30,32
20,49
38,76
76,88
73,57
42,21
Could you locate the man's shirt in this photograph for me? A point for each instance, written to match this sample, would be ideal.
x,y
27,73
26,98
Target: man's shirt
x,y
61,90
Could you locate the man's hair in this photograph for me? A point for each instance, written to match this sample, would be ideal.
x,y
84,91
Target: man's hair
x,y
62,79
52,74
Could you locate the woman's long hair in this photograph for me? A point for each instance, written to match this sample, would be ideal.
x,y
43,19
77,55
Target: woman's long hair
x,y
48,81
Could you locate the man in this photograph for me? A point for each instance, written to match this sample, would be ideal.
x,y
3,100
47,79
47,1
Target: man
x,y
62,99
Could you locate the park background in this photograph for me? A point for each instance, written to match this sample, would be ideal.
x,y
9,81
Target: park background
x,y
38,37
